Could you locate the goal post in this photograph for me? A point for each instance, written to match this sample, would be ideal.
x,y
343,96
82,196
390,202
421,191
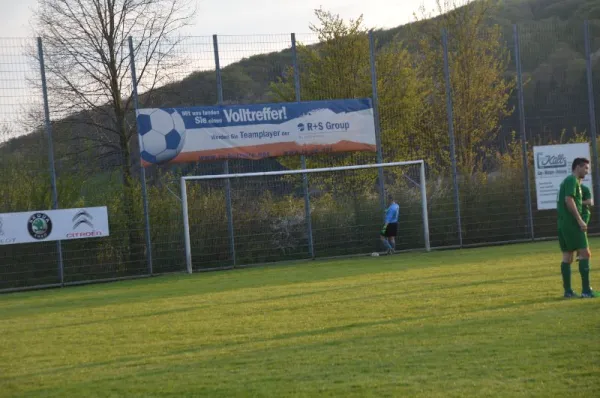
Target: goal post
x,y
420,185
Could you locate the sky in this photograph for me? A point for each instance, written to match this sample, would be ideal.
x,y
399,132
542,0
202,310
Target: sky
x,y
248,17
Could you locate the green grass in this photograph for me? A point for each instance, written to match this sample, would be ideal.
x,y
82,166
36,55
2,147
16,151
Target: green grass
x,y
485,322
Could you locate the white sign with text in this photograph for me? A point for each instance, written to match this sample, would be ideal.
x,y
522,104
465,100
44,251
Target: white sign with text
x,y
552,164
52,225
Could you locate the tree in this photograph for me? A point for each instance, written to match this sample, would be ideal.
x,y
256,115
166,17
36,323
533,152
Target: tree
x,y
87,61
479,60
338,67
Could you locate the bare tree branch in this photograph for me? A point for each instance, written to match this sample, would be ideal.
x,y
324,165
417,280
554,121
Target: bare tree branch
x,y
88,63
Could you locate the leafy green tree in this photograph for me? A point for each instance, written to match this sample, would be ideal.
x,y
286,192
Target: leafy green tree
x,y
478,59
338,67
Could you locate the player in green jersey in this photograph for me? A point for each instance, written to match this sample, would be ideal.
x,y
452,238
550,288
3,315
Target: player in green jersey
x,y
572,229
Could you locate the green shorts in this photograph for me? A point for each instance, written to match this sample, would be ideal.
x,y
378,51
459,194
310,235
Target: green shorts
x,y
571,239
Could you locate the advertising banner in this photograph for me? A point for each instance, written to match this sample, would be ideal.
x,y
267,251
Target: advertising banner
x,y
52,225
552,165
197,134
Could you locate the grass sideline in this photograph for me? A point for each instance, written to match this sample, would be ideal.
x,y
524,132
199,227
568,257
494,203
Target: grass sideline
x,y
484,321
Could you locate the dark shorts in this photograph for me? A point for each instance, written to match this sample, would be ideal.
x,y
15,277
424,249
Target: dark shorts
x,y
391,230
571,239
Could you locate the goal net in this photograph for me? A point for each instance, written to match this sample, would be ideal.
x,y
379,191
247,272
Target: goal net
x,y
249,218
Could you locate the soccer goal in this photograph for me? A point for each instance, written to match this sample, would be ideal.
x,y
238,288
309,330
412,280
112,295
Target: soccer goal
x,y
248,218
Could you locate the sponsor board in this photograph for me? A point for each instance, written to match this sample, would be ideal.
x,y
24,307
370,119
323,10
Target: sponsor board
x,y
196,134
552,163
52,225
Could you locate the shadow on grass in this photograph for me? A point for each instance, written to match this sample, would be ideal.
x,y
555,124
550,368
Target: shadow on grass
x,y
317,292
136,360
182,286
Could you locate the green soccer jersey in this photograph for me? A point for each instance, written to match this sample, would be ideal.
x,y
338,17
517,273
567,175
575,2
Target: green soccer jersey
x,y
569,187
585,195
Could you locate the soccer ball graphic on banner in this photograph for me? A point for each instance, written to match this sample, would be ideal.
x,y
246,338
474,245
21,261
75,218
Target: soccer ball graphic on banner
x,y
161,133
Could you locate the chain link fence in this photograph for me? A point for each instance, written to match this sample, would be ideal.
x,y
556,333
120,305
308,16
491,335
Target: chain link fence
x,y
25,176
472,103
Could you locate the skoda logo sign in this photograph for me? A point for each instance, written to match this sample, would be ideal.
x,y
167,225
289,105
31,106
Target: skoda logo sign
x,y
39,226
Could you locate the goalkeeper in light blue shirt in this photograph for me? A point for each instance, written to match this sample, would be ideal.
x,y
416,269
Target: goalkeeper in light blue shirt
x,y
390,229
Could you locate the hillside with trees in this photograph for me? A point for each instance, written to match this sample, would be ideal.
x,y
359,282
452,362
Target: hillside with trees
x,y
97,166
552,57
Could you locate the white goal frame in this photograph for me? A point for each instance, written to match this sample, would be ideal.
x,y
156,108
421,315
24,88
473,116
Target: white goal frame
x,y
184,200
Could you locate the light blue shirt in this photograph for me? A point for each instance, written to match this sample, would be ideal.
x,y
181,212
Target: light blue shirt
x,y
392,213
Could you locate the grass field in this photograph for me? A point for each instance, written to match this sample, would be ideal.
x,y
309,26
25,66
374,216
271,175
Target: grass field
x,y
485,322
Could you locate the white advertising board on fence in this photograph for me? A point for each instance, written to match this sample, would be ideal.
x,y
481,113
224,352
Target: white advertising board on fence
x,y
552,164
51,225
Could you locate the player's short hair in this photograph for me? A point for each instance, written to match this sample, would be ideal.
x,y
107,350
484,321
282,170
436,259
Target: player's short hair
x,y
390,198
579,162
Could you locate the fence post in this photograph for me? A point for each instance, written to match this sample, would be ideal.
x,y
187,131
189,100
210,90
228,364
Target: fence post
x,y
523,132
592,111
226,162
450,112
142,169
376,119
48,127
311,247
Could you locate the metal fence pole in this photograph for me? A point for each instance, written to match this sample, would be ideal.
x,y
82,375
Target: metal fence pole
x,y
592,111
449,106
376,119
48,126
523,132
143,170
311,248
226,162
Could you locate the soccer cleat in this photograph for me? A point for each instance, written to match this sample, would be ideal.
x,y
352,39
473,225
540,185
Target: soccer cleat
x,y
570,294
588,294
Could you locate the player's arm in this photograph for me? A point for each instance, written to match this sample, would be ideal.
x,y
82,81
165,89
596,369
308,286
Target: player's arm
x,y
570,202
386,219
388,213
570,192
588,202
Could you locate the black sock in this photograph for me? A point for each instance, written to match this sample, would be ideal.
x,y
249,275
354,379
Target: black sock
x,y
584,270
565,270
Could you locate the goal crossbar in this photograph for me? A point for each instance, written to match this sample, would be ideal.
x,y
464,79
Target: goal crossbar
x,y
184,201
302,171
